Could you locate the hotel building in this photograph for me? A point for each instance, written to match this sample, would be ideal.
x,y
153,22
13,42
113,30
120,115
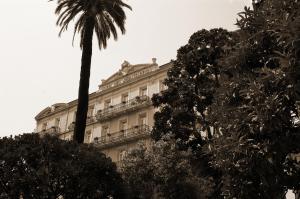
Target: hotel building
x,y
120,113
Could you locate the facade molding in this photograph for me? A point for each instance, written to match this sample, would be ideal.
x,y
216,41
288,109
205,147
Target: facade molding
x,y
98,94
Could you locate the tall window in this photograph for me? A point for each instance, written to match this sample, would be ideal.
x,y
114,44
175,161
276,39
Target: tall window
x,y
124,98
74,116
105,130
123,125
162,86
57,121
142,120
90,111
68,137
44,126
122,155
107,103
143,91
88,136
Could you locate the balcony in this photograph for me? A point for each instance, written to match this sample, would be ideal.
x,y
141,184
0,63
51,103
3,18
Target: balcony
x,y
71,126
54,130
119,164
124,107
89,120
122,136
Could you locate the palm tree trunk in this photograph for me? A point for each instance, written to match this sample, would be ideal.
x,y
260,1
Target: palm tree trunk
x,y
83,93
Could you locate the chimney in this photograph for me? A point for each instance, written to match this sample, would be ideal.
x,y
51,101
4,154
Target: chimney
x,y
154,61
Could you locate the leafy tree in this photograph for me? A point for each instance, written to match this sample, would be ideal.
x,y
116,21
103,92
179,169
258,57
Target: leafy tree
x,y
244,115
100,16
191,82
255,106
48,167
163,171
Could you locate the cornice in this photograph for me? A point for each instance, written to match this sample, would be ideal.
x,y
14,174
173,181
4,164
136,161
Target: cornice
x,y
94,95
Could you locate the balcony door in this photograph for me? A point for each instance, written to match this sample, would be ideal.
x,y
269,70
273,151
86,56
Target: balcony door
x,y
143,91
90,111
124,98
105,133
107,103
123,126
57,122
88,136
44,126
142,120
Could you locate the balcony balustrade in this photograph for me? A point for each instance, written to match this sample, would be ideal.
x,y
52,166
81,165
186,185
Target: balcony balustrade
x,y
119,164
54,130
89,120
122,136
124,107
71,126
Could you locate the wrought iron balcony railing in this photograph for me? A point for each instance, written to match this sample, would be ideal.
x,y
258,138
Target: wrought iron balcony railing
x,y
89,120
124,107
54,130
122,136
119,164
71,126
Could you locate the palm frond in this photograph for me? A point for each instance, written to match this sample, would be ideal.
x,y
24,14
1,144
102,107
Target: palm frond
x,y
108,14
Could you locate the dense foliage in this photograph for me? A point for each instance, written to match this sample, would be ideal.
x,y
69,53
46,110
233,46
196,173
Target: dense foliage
x,y
233,96
163,171
51,168
191,85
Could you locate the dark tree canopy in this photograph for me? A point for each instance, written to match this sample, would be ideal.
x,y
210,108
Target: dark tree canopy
x,y
163,171
191,85
233,96
50,168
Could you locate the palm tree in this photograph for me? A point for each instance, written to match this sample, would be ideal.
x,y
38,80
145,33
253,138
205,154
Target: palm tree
x,y
101,16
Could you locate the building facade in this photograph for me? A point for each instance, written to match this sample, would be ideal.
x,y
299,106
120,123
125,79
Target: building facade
x,y
120,113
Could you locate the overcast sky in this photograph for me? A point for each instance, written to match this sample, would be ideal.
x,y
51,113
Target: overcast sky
x,y
38,69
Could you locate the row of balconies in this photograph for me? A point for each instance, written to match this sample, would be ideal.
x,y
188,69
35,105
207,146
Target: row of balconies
x,y
116,110
122,136
89,120
124,107
110,139
108,113
54,130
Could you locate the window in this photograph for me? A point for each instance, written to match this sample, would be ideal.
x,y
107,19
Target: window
x,y
124,98
107,103
142,120
90,111
162,86
122,155
123,127
88,136
44,126
105,130
57,121
74,116
68,137
143,91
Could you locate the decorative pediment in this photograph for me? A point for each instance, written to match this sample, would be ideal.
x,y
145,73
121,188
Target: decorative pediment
x,y
51,109
126,70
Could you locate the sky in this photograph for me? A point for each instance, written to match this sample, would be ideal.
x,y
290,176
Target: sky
x,y
38,68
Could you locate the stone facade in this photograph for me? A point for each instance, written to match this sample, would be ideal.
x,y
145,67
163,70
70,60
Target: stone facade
x,y
120,113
